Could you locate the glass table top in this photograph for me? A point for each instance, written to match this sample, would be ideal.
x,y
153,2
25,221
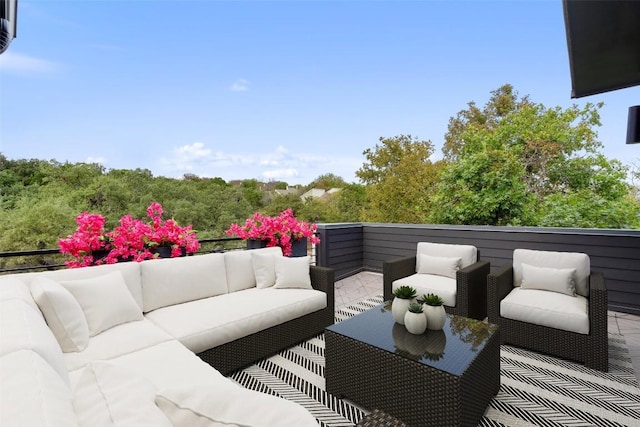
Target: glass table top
x,y
451,349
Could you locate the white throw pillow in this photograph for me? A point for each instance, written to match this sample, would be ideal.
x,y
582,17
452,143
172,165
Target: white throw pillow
x,y
62,313
264,268
112,396
549,279
440,266
206,405
105,300
293,272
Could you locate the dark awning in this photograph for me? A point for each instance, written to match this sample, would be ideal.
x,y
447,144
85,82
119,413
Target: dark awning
x,y
603,38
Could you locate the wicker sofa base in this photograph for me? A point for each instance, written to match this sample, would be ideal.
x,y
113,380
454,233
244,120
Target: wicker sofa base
x,y
414,393
245,351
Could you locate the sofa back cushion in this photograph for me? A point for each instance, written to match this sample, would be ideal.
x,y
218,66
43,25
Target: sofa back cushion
x,y
130,271
33,394
12,287
468,254
240,268
173,281
22,328
105,301
62,313
551,259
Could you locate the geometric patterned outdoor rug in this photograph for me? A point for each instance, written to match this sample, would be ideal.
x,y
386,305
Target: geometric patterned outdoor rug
x,y
535,390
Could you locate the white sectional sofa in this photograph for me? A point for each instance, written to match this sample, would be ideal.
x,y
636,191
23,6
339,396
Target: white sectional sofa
x,y
126,344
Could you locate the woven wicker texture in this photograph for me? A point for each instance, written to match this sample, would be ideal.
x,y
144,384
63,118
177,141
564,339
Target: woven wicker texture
x,y
244,351
380,419
591,349
471,281
414,392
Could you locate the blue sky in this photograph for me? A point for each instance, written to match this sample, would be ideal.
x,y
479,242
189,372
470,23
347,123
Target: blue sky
x,y
283,90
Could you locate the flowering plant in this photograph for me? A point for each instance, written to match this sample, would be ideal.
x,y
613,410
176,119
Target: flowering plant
x,y
131,240
281,230
88,239
169,234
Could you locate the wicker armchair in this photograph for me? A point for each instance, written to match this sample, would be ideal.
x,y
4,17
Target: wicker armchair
x,y
471,280
590,348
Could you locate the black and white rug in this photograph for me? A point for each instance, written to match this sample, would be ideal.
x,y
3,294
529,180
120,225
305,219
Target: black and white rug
x,y
535,390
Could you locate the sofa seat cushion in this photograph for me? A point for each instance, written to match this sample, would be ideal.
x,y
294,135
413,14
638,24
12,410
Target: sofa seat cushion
x,y
168,364
170,281
444,287
226,405
33,394
117,341
22,328
107,395
207,323
546,308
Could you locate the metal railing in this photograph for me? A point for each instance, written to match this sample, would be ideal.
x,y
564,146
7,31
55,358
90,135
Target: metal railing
x,y
52,259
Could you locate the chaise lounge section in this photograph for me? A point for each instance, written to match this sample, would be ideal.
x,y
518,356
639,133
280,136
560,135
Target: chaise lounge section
x,y
119,341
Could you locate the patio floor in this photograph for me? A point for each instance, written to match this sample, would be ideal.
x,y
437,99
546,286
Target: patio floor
x,y
368,284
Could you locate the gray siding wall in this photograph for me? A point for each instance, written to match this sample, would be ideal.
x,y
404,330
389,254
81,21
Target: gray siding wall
x,y
616,253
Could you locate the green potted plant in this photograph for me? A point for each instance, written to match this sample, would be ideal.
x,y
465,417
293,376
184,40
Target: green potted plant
x,y
414,319
434,311
403,296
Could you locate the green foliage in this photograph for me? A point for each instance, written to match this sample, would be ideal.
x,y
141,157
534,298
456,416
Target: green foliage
x,y
399,177
405,292
415,307
432,299
515,162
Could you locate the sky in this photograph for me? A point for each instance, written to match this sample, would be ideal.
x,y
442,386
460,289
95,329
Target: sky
x,y
284,90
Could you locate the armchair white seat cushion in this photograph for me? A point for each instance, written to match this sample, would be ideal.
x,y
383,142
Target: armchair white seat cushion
x,y
550,259
468,254
444,287
210,322
546,308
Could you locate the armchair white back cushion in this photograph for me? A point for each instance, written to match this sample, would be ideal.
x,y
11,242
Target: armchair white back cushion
x,y
33,394
173,281
551,259
468,254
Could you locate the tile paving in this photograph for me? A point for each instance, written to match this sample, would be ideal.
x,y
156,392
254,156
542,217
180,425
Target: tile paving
x,y
367,284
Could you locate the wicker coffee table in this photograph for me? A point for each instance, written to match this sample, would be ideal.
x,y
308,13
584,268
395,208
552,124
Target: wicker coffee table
x,y
439,378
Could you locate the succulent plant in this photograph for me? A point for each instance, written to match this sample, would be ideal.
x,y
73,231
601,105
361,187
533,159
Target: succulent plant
x,y
405,292
415,307
432,299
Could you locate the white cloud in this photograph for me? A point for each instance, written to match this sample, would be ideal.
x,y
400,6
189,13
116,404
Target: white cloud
x,y
100,160
16,62
240,85
281,174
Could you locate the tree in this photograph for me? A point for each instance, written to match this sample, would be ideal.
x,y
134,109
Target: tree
x,y
556,150
483,188
400,179
327,182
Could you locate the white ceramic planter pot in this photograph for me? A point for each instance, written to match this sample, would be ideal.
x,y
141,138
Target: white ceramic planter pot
x,y
416,323
435,315
399,307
